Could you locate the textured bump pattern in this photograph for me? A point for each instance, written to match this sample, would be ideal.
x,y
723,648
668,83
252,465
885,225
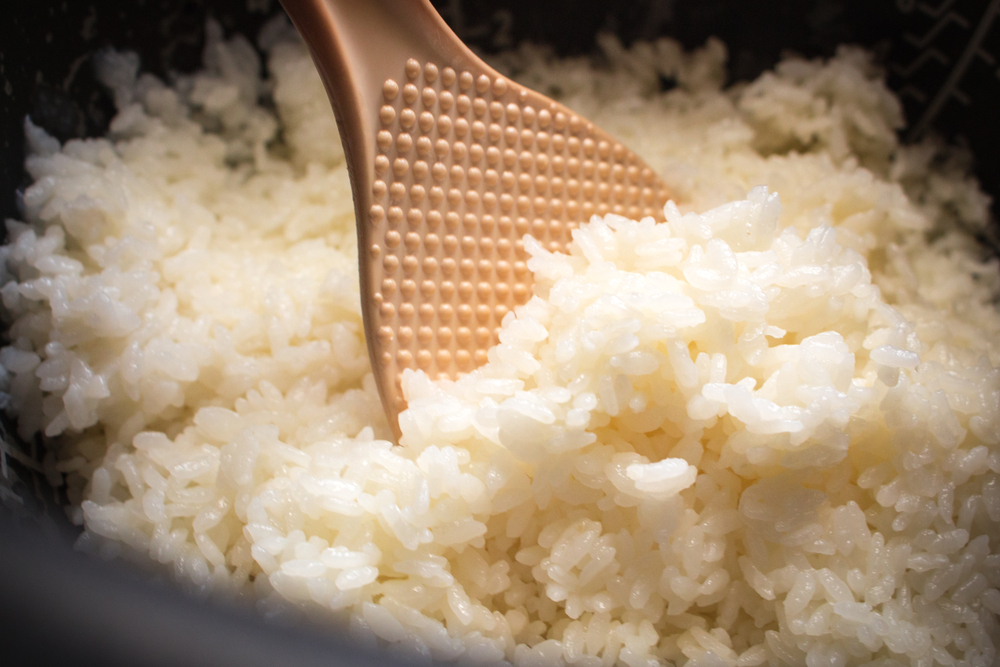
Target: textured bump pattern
x,y
467,163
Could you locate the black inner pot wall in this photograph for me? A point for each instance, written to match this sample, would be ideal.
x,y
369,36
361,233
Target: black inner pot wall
x,y
941,56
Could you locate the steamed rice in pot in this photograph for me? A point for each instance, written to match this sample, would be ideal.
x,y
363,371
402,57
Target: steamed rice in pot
x,y
764,432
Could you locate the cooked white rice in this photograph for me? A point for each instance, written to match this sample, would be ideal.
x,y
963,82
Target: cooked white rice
x,y
765,432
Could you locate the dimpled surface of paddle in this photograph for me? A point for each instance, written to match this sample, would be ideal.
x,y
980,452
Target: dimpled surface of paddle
x,y
466,164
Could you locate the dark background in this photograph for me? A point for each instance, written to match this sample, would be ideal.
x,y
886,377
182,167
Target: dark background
x,y
57,607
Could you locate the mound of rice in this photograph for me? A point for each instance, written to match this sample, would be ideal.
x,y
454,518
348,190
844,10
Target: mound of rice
x,y
764,432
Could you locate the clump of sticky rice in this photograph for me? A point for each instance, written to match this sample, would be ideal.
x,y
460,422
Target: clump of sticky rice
x,y
181,261
724,420
763,432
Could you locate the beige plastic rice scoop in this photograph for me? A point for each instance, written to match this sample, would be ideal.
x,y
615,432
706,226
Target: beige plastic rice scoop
x,y
451,165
